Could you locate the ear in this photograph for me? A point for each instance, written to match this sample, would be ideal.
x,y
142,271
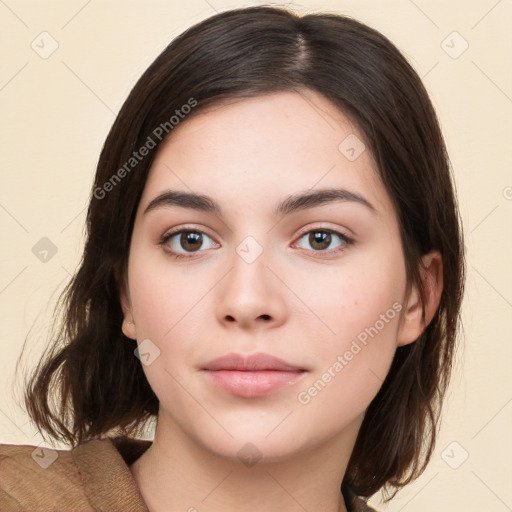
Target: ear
x,y
124,297
413,323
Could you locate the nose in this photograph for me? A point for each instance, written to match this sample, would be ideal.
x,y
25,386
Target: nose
x,y
251,296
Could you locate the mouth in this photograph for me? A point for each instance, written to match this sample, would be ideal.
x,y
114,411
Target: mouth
x,y
251,376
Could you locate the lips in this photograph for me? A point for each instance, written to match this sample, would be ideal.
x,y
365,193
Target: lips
x,y
253,362
253,375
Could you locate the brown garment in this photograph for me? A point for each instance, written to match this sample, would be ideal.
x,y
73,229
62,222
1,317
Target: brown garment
x,y
95,475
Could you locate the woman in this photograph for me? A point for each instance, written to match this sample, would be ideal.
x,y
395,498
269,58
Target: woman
x,y
304,345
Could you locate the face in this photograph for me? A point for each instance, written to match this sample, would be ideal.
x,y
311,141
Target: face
x,y
319,284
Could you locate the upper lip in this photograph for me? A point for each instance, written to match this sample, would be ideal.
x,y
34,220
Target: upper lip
x,y
252,362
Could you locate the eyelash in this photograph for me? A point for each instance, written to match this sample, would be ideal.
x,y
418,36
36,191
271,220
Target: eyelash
x,y
347,241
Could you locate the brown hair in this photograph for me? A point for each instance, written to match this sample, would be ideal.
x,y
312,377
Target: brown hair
x,y
90,366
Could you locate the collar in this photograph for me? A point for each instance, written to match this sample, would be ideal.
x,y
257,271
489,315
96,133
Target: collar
x,y
106,477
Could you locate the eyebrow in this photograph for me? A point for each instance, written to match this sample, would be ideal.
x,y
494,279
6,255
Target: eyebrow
x,y
293,203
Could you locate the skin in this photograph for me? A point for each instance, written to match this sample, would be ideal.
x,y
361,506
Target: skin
x,y
296,301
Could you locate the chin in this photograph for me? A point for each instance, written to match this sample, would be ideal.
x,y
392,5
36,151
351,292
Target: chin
x,y
253,449
252,440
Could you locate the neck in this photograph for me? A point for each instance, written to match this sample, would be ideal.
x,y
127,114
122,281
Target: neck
x,y
176,473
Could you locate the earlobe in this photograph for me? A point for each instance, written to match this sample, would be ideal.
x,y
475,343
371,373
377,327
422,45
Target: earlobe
x,y
128,329
432,276
128,326
413,323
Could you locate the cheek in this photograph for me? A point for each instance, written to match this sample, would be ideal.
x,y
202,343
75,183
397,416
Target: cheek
x,y
360,319
346,305
351,365
169,304
164,306
163,295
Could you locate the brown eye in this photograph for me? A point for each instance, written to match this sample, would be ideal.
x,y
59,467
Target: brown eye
x,y
319,240
186,242
190,240
322,240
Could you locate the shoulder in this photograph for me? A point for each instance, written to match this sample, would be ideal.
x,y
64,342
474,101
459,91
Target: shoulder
x,y
34,476
91,476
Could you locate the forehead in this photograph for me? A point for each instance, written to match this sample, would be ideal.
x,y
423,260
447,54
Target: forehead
x,y
260,149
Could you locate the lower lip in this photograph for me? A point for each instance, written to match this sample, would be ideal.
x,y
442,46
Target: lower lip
x,y
253,383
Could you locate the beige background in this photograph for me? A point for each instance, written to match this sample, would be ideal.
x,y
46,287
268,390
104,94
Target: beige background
x,y
56,112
